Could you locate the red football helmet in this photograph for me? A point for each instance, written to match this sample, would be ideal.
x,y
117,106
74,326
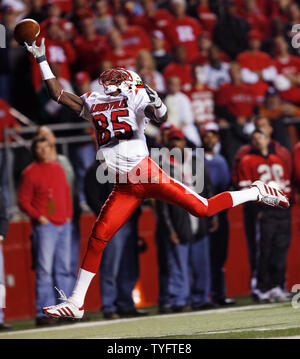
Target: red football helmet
x,y
114,79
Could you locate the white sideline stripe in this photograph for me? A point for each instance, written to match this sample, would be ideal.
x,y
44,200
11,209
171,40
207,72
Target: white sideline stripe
x,y
291,337
126,320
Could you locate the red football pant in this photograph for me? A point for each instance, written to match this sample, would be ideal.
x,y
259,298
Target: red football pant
x,y
126,197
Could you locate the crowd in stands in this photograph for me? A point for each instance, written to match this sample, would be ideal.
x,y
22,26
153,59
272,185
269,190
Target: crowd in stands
x,y
229,74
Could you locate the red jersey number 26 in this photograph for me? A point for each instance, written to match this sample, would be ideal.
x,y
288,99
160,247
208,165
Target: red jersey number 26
x,y
122,130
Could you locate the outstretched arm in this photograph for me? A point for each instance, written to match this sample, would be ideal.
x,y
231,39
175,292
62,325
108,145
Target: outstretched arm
x,y
56,92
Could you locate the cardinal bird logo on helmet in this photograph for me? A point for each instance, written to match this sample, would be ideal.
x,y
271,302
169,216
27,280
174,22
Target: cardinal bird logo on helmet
x,y
118,79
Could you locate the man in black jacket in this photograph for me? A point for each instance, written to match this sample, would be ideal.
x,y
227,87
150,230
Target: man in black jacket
x,y
3,232
186,244
119,266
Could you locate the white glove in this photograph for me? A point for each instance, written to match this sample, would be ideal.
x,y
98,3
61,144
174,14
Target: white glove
x,y
153,96
37,51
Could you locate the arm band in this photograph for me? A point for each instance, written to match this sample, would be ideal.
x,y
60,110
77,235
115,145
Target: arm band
x,y
46,71
161,111
59,97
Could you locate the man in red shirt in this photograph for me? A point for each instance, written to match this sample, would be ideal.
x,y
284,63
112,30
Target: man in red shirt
x,y
117,55
45,196
59,52
288,67
180,68
237,97
257,66
274,226
202,99
184,30
134,37
90,48
153,19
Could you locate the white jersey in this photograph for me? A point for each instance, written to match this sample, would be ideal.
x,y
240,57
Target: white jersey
x,y
119,123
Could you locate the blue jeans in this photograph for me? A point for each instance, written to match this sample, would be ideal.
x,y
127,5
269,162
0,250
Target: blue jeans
x,y
51,247
189,272
2,281
82,157
119,270
200,276
178,264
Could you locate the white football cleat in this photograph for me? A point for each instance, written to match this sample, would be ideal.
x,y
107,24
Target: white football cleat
x,y
65,309
270,195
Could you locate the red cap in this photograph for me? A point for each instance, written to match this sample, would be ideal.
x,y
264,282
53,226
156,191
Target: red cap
x,y
81,77
209,127
176,133
166,126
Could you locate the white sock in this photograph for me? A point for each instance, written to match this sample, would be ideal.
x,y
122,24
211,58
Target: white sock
x,y
245,195
82,284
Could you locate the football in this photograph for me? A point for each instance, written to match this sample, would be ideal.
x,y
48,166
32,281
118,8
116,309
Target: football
x,y
27,30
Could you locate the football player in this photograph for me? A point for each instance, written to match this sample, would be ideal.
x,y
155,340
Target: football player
x,y
119,112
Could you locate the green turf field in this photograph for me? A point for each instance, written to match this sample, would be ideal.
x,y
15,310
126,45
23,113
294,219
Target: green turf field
x,y
242,321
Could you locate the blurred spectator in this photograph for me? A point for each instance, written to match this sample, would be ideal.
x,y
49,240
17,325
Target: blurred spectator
x,y
45,132
8,20
119,267
274,223
184,30
161,56
180,112
82,154
231,31
145,67
45,196
37,11
263,124
134,38
153,18
257,67
3,232
251,210
216,71
54,14
117,55
180,68
277,110
65,6
294,18
208,18
60,55
202,99
103,19
219,174
250,12
205,44
186,238
90,47
280,9
288,66
81,9
7,121
235,103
